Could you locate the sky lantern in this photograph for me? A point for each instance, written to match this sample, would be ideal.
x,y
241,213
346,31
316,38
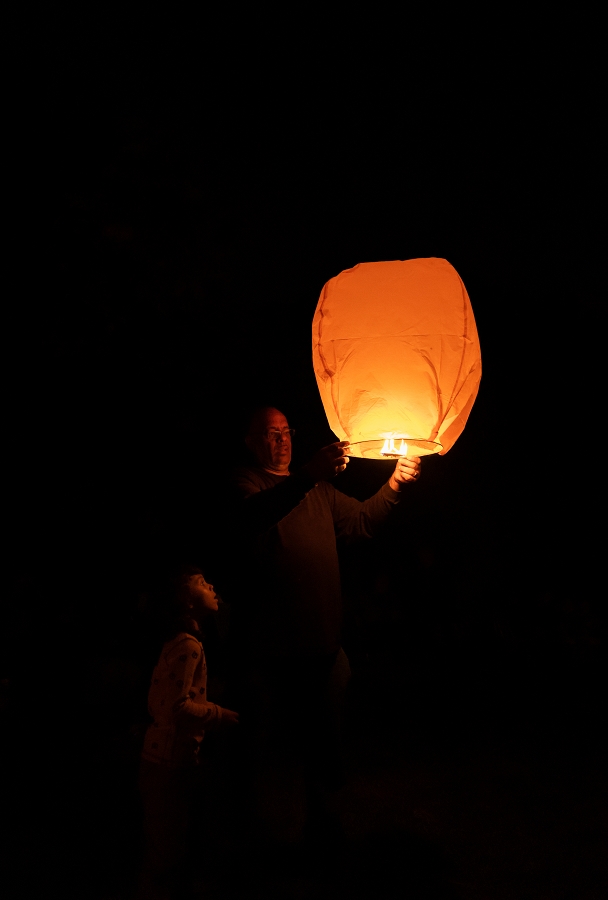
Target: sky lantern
x,y
396,357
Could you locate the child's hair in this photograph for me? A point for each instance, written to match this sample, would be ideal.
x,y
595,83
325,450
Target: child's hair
x,y
175,603
178,584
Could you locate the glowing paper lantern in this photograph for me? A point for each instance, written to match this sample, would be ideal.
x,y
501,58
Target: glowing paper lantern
x,y
396,356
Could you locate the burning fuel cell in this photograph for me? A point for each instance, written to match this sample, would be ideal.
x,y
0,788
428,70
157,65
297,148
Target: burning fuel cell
x,y
389,448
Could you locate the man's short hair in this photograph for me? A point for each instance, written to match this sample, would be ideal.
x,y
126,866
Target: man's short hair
x,y
256,417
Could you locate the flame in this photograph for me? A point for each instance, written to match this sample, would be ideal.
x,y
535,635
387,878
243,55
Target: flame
x,y
389,448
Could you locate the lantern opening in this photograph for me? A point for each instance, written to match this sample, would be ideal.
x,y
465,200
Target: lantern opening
x,y
392,448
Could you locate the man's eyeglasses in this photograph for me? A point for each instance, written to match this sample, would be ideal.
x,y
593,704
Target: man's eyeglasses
x,y
276,435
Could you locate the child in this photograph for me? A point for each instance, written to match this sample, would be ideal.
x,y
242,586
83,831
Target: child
x,y
181,711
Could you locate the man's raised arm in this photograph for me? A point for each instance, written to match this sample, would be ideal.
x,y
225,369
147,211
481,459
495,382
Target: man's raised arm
x,y
266,502
355,519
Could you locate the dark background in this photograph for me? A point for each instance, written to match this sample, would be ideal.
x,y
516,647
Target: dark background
x,y
191,214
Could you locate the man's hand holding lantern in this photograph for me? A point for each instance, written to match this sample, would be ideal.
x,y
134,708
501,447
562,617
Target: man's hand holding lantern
x,y
406,471
328,461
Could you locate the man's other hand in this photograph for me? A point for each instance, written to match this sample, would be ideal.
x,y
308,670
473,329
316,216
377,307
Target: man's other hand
x,y
326,463
406,470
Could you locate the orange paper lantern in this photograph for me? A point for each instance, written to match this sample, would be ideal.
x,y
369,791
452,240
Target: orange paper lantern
x,y
396,356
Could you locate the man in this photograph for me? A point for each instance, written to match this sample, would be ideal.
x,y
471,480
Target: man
x,y
291,524
291,605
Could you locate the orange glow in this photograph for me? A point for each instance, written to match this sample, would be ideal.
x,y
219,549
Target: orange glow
x,y
396,356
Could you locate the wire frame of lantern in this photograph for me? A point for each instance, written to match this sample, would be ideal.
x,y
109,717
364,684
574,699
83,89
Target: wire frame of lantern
x,y
396,356
393,448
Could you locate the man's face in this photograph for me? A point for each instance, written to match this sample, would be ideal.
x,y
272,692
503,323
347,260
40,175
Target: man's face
x,y
270,440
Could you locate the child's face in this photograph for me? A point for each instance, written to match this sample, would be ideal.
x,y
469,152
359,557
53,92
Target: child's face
x,y
203,595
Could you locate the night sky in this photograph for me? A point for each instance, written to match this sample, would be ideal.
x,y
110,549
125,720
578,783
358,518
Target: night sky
x,y
189,224
186,243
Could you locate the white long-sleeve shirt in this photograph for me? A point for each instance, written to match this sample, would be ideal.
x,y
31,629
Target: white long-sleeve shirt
x,y
178,703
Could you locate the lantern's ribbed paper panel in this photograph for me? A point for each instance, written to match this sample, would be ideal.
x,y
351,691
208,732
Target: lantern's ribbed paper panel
x,y
396,352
